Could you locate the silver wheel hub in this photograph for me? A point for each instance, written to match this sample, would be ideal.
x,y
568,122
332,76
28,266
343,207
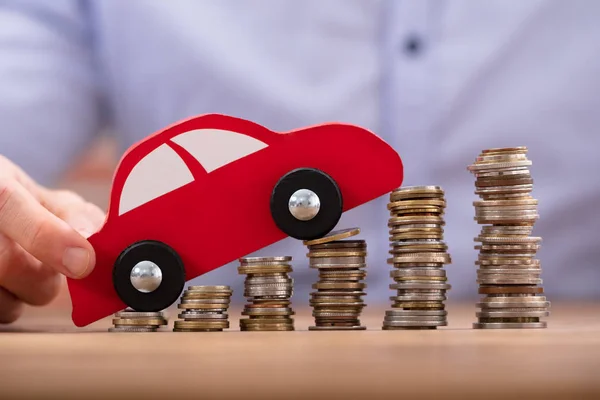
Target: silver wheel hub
x,y
146,276
304,204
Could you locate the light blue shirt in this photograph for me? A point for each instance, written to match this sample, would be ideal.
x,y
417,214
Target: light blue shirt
x,y
439,80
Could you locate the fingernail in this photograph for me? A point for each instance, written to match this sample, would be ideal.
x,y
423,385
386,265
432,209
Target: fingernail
x,y
76,261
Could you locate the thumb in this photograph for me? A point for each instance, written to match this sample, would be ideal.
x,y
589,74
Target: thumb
x,y
42,234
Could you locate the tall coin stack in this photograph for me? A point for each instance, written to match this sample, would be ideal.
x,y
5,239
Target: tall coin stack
x,y
509,275
204,309
268,289
418,256
337,303
130,320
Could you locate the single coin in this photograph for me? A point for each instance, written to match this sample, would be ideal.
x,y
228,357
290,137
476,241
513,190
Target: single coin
x,y
138,314
418,272
511,290
330,253
340,244
498,165
413,219
509,325
263,269
210,289
415,318
418,297
403,313
518,149
267,328
131,329
202,306
196,324
255,260
419,305
332,236
404,285
414,323
139,321
197,315
417,203
512,314
339,285
337,328
421,257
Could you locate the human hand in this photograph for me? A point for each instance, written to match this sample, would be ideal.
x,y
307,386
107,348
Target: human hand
x,y
42,235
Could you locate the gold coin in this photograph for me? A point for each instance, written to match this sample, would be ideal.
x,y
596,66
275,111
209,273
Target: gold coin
x,y
201,324
264,269
317,254
332,236
199,306
417,203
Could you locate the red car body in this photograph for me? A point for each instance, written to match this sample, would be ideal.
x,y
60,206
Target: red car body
x,y
224,215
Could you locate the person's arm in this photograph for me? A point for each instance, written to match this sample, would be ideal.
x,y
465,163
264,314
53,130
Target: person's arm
x,y
49,99
48,113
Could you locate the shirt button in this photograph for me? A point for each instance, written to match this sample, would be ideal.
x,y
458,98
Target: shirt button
x,y
413,45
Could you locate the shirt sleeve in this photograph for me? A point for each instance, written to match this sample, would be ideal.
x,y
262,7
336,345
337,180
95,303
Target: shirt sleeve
x,y
49,99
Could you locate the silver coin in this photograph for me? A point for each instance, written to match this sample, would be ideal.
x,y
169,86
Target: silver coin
x,y
499,165
511,314
420,285
132,329
506,172
509,325
418,297
407,272
500,304
138,314
415,318
414,323
198,315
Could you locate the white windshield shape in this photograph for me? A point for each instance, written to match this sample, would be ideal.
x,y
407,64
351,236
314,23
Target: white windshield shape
x,y
160,172
214,148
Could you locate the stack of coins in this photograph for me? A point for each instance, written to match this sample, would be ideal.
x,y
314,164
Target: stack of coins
x,y
338,302
509,275
268,289
137,321
418,256
204,309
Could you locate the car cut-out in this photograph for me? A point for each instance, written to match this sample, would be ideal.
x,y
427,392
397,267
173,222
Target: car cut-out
x,y
181,195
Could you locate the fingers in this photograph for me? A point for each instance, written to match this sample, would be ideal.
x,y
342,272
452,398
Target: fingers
x,y
11,308
86,218
25,277
41,233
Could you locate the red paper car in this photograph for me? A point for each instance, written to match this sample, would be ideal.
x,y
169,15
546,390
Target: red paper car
x,y
208,190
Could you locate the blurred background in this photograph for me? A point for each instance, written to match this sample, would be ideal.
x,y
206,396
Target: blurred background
x,y
438,80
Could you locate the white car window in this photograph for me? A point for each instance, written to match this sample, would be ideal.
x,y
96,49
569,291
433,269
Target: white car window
x,y
160,172
214,148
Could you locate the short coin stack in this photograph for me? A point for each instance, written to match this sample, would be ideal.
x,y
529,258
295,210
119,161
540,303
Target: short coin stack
x,y
268,289
509,275
130,320
204,309
337,303
418,256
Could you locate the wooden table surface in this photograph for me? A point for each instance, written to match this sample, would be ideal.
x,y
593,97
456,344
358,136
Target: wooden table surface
x,y
44,356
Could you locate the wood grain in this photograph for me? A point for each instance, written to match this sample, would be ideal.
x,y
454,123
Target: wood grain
x,y
44,356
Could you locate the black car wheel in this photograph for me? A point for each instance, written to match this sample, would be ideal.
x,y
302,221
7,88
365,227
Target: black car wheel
x,y
149,276
306,204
